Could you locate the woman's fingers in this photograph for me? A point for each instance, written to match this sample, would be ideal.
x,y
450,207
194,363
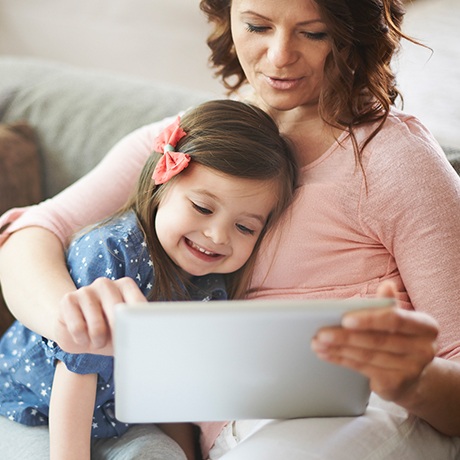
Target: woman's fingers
x,y
385,342
391,346
391,320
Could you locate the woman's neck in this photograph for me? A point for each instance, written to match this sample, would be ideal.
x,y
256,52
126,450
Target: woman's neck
x,y
308,132
310,135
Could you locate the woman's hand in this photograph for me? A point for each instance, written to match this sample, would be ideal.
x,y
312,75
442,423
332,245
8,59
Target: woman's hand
x,y
86,315
391,346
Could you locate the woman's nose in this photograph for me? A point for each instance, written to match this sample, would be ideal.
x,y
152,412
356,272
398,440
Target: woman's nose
x,y
281,51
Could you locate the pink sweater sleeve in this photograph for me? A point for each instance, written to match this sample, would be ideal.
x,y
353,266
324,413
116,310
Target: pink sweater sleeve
x,y
94,196
415,212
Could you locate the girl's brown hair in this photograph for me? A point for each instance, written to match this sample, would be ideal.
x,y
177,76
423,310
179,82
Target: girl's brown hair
x,y
359,85
235,139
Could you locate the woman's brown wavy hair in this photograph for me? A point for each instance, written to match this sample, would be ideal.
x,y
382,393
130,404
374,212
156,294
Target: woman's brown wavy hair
x,y
232,138
360,86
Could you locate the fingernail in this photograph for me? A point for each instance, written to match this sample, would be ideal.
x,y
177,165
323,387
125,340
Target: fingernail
x,y
326,337
350,322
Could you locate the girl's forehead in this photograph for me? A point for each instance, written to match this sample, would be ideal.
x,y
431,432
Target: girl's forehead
x,y
215,182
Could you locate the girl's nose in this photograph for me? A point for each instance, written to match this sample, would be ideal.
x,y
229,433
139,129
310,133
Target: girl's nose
x,y
217,233
281,51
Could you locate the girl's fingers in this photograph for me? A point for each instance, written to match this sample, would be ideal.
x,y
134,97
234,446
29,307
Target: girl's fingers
x,y
73,321
87,313
84,317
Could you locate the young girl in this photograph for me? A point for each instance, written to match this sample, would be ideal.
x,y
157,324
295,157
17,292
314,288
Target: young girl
x,y
217,180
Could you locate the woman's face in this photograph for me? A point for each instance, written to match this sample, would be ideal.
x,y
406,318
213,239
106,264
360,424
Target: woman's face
x,y
282,46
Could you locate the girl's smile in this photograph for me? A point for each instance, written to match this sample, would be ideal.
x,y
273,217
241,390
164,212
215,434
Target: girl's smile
x,y
201,252
209,222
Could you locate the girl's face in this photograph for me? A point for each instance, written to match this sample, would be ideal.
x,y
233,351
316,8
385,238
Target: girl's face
x,y
209,222
282,46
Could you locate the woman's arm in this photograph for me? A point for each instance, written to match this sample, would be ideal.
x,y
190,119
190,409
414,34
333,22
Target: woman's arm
x,y
76,319
34,278
71,414
411,357
33,274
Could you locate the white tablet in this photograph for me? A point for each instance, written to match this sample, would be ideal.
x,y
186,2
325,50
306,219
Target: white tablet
x,y
230,360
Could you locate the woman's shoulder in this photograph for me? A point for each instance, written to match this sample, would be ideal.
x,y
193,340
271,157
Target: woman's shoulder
x,y
403,142
405,161
408,126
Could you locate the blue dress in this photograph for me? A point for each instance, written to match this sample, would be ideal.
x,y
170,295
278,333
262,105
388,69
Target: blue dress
x,y
27,360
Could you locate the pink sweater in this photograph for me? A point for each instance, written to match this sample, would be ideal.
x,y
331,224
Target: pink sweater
x,y
342,236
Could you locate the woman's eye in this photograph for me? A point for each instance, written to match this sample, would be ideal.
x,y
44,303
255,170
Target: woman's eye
x,y
245,230
255,29
201,210
317,36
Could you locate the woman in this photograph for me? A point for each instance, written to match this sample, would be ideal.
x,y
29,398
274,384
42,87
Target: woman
x,y
366,214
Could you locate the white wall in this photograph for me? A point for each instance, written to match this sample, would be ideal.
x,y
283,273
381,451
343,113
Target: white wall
x,y
431,81
156,39
165,40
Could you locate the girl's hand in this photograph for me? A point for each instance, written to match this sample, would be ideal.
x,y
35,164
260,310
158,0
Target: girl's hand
x,y
86,315
391,346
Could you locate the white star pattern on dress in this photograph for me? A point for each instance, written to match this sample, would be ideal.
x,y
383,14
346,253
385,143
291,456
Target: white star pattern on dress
x,y
123,253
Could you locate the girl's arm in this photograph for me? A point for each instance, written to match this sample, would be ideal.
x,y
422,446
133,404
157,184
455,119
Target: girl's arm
x,y
71,413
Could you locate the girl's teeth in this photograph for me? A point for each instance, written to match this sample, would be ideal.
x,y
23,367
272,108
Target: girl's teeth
x,y
202,250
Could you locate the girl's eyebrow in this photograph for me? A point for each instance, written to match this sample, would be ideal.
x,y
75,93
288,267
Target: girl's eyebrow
x,y
211,195
261,16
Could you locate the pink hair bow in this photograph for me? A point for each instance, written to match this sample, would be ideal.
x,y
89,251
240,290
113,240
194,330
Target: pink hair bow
x,y
172,162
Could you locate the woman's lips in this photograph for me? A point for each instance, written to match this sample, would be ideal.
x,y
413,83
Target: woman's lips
x,y
283,84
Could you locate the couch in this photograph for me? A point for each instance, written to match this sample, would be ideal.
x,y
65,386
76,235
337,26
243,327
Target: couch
x,y
57,121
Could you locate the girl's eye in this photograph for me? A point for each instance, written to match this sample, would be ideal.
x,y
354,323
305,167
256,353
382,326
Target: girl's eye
x,y
317,36
255,29
245,230
201,210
